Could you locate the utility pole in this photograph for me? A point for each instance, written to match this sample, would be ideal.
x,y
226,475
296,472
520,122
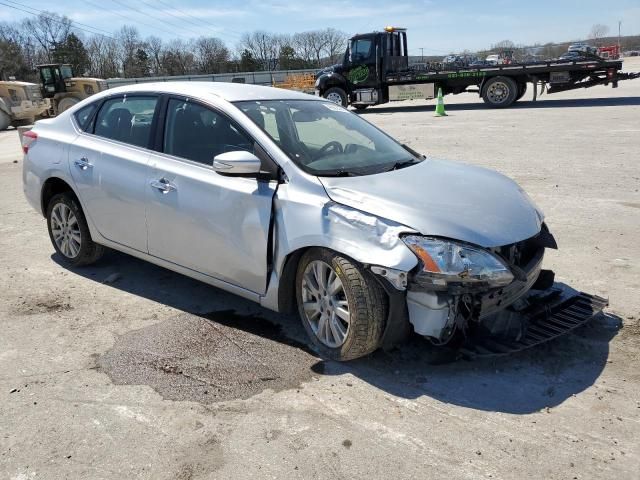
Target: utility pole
x,y
619,28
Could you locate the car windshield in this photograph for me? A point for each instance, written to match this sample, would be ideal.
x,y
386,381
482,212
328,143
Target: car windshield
x,y
325,139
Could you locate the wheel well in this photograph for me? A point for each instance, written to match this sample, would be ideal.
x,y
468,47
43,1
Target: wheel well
x,y
53,186
287,288
287,301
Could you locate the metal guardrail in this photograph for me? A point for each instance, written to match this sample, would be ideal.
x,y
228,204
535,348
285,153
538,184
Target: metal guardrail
x,y
255,78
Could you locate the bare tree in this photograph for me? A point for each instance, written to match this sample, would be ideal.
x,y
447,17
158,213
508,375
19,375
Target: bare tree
x,y
103,55
303,46
335,44
598,31
504,45
263,46
155,48
212,55
48,30
178,58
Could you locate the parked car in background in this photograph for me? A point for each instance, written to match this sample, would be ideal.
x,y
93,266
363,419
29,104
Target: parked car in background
x,y
573,55
296,203
582,47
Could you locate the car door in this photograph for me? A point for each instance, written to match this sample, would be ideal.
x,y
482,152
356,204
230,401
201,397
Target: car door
x,y
197,218
108,164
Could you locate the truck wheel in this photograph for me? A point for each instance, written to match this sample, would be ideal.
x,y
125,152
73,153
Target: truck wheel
x,y
522,89
66,103
499,92
69,232
343,309
5,121
336,95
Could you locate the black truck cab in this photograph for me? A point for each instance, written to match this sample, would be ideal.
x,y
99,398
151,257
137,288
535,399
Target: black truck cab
x,y
359,79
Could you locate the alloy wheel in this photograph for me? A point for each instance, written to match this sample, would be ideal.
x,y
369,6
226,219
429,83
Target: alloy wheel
x,y
65,230
325,304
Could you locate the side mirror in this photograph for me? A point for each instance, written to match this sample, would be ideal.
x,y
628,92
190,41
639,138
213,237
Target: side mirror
x,y
237,163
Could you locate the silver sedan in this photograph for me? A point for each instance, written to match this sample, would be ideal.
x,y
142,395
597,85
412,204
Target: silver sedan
x,y
297,203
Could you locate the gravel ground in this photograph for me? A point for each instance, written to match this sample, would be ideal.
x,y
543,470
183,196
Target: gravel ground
x,y
127,370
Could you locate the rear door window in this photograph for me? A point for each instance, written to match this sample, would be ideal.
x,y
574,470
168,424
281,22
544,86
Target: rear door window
x,y
127,119
198,133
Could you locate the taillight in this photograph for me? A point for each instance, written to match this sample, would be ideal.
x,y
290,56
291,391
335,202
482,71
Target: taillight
x,y
28,138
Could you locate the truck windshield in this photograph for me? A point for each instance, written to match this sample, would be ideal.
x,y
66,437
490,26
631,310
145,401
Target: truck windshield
x,y
324,139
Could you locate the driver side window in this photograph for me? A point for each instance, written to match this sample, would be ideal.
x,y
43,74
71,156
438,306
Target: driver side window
x,y
360,49
197,133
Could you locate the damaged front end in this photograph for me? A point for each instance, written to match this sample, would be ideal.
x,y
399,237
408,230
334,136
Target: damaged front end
x,y
491,301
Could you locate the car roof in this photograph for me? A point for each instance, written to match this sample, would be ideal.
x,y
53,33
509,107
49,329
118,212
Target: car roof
x,y
231,92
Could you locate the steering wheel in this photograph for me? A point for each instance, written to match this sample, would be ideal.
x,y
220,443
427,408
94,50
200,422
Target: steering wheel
x,y
329,147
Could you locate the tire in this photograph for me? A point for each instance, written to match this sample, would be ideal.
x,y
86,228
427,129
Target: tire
x,y
336,95
522,89
499,92
360,107
5,121
360,296
66,103
79,249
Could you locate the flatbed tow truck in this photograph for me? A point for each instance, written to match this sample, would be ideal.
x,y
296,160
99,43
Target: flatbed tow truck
x,y
375,70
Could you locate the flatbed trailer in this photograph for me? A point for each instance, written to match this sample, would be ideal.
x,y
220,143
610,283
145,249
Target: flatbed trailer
x,y
375,70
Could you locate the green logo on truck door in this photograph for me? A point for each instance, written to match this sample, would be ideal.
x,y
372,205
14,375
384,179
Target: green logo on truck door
x,y
359,74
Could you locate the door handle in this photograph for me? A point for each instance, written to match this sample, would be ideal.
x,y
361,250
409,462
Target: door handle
x,y
83,163
164,185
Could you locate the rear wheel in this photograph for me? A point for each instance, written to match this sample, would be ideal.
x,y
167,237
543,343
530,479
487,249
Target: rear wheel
x,y
500,92
522,89
336,95
343,309
69,232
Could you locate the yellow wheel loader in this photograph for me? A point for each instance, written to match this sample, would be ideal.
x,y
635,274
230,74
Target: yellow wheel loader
x,y
63,89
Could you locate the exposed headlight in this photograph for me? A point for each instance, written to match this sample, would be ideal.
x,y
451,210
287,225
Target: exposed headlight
x,y
446,261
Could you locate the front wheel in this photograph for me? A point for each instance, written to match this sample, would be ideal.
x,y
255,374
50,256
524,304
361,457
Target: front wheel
x,y
336,95
342,307
500,92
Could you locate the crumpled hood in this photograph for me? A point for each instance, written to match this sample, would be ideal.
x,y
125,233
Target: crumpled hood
x,y
445,199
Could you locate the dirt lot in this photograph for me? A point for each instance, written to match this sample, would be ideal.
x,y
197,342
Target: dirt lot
x,y
126,370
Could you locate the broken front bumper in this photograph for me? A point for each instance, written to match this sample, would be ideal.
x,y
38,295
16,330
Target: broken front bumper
x,y
562,313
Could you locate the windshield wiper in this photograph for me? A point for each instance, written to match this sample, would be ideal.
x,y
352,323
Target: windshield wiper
x,y
403,164
337,173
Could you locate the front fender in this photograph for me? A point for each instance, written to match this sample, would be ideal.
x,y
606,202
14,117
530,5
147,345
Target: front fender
x,y
305,217
329,80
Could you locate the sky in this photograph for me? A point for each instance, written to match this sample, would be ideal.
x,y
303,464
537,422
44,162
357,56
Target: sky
x,y
437,26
